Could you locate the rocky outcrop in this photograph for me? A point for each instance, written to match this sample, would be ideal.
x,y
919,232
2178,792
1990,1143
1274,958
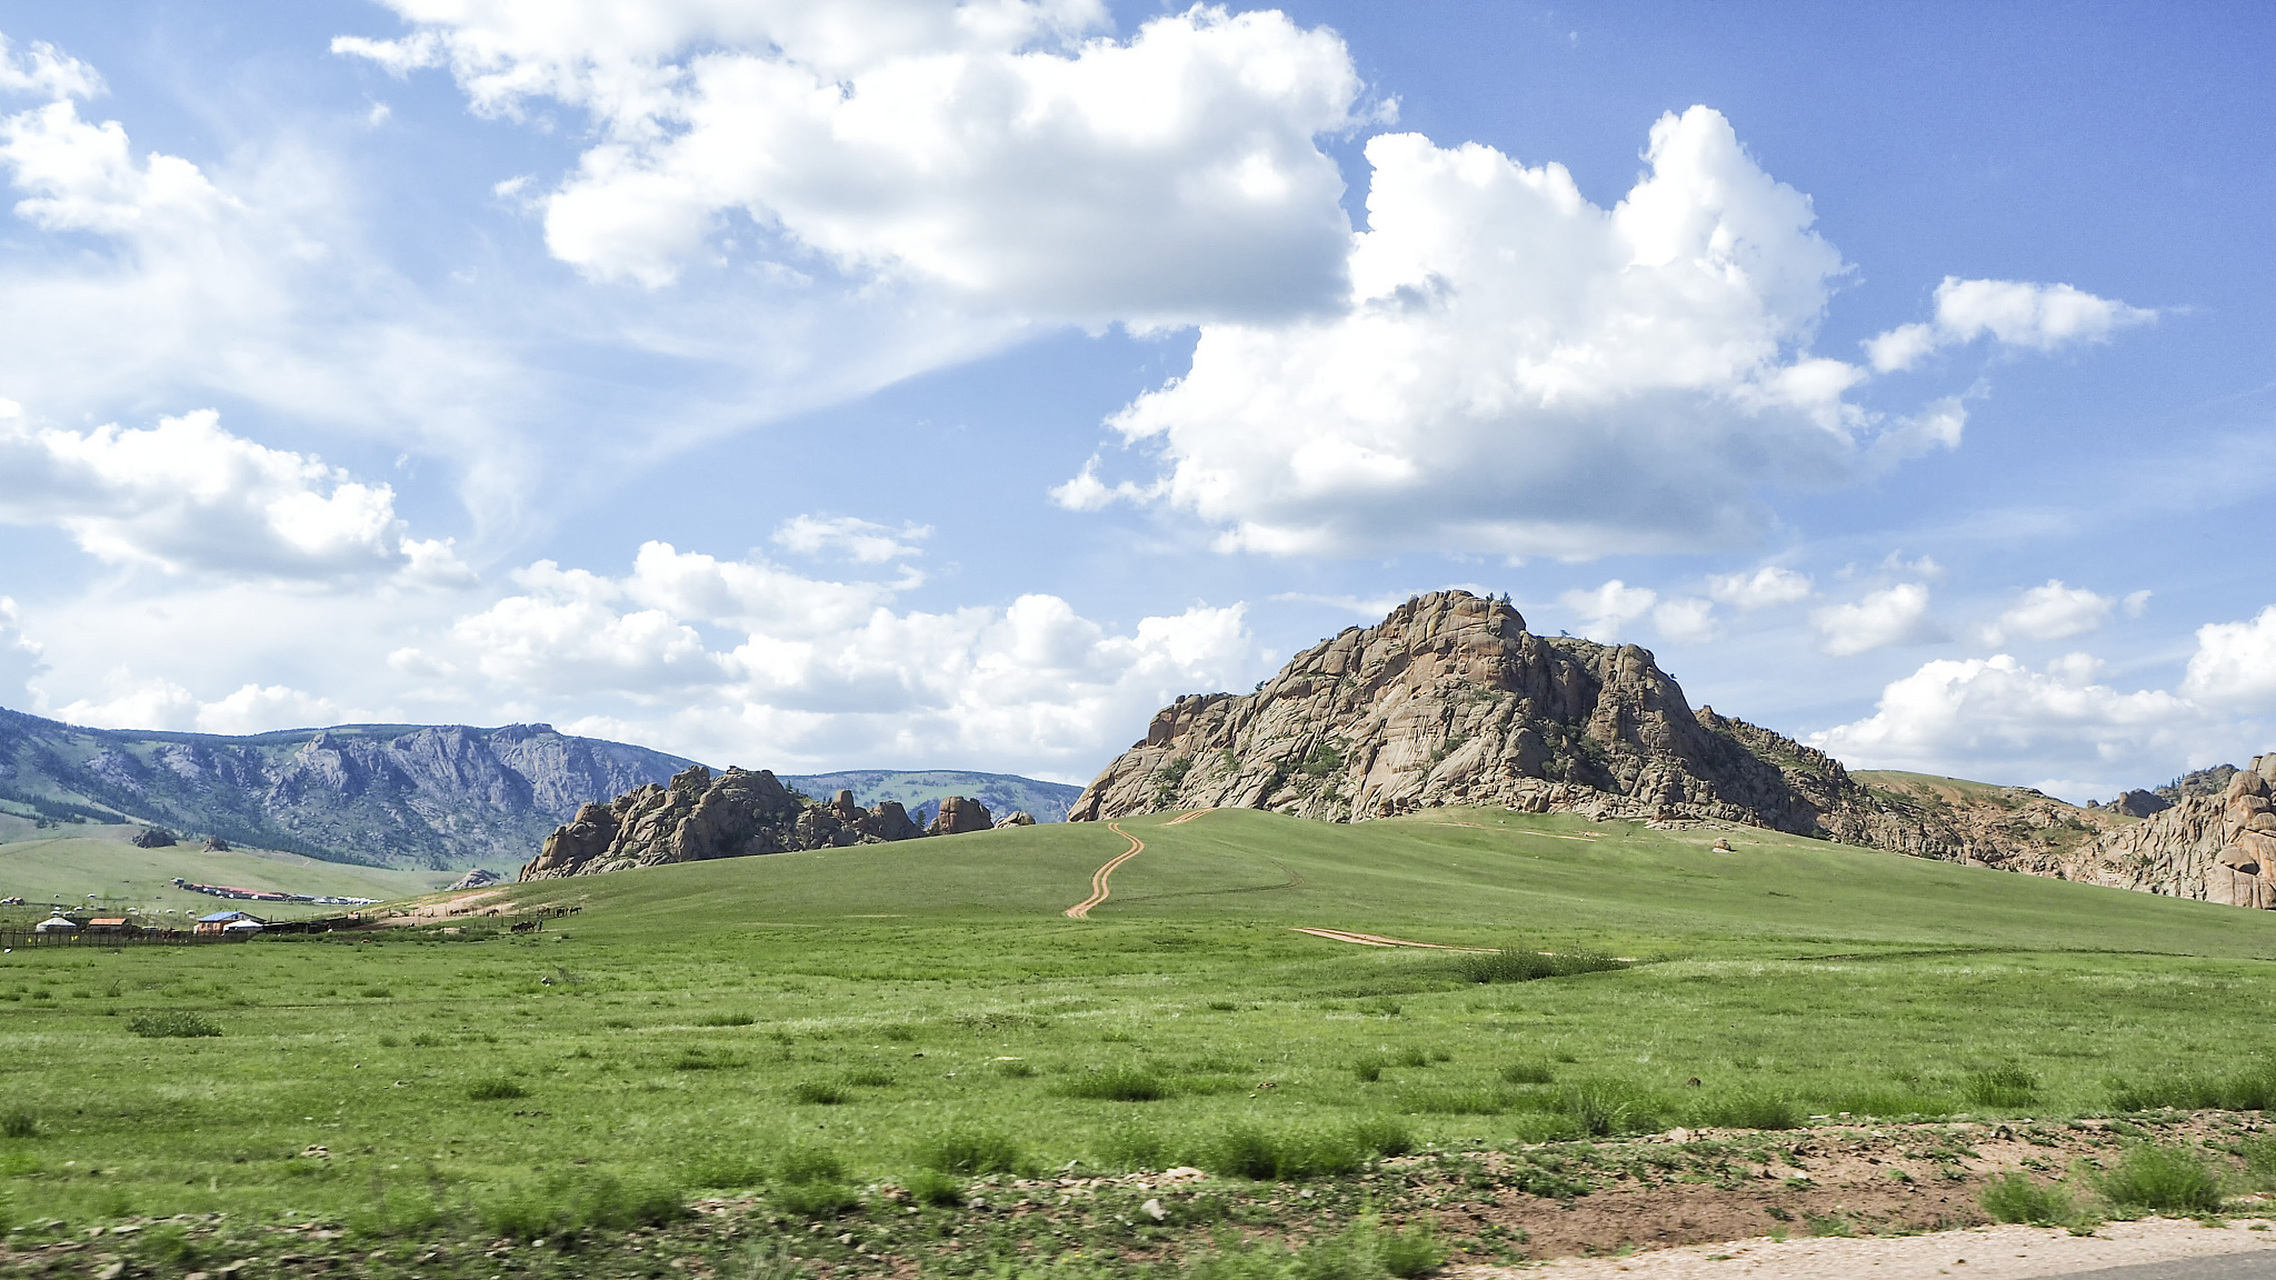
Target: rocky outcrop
x,y
479,878
155,838
1450,700
215,844
959,814
2219,847
1016,818
699,816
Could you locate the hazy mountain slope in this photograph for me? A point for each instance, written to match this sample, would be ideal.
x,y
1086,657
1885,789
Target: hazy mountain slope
x,y
382,795
921,791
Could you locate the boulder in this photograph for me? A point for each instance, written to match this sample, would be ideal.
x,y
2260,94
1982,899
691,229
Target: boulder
x,y
1016,818
476,879
215,844
155,838
958,815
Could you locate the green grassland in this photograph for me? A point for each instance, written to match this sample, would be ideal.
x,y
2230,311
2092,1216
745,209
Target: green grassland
x,y
903,1006
66,864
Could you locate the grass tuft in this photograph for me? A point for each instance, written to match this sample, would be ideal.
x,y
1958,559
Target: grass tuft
x,y
971,1151
941,1190
2161,1179
1749,1111
1531,966
577,1200
820,1093
1117,1084
173,1024
496,1089
2005,1085
2251,1089
1529,1071
19,1124
2011,1197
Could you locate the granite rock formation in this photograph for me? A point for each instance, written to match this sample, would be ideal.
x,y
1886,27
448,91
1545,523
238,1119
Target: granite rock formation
x,y
699,816
1016,818
155,838
2219,847
959,814
1450,700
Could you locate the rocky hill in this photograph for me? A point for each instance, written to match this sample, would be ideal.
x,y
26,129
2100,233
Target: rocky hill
x,y
379,795
1451,701
736,814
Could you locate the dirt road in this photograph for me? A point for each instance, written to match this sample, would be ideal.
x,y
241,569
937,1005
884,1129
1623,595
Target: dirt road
x,y
1099,890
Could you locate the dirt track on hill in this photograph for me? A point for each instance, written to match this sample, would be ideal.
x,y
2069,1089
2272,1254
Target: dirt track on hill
x,y
1099,889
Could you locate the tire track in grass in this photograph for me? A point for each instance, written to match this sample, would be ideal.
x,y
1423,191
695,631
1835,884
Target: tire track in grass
x,y
1378,940
1099,890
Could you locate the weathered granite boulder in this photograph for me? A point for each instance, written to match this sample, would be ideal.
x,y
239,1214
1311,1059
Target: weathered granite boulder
x,y
215,844
698,817
1017,818
958,815
478,878
154,838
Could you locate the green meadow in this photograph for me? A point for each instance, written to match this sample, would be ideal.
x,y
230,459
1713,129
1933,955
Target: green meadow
x,y
805,1025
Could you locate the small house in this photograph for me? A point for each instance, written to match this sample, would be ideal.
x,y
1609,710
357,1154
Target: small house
x,y
56,924
108,924
223,921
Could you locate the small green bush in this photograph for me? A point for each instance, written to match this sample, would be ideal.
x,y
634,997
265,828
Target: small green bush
x,y
1369,1069
1530,1071
2011,1197
1117,1084
19,1124
726,1020
972,1151
1383,1135
2162,1180
1410,1253
1749,1111
819,1093
577,1200
1530,966
173,1024
496,1089
2005,1085
1602,1109
809,1162
1411,1056
941,1190
1248,1150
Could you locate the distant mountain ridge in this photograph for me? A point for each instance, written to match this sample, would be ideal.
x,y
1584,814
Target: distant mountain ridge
x,y
920,791
377,795
395,795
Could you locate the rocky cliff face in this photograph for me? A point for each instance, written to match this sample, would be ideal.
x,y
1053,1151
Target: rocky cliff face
x,y
736,814
1450,700
2218,848
388,795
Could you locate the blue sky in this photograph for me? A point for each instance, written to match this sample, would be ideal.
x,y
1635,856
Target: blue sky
x,y
894,384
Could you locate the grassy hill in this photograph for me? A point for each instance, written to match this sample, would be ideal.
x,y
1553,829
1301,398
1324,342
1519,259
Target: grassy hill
x,y
90,865
884,1005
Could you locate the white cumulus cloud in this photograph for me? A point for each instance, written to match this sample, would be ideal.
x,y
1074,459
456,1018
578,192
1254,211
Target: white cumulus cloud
x,y
2235,663
2052,612
1520,371
1995,717
187,496
748,661
1606,612
1009,153
1891,616
46,71
2038,317
84,177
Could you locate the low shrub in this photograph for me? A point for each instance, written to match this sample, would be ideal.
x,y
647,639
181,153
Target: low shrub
x,y
1605,1109
941,1190
577,1200
173,1024
1117,1084
19,1124
809,1162
2005,1085
1249,1150
1530,966
1749,1111
812,1181
972,1151
2162,1180
496,1089
2011,1197
1529,1071
1369,1069
819,1093
726,1020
